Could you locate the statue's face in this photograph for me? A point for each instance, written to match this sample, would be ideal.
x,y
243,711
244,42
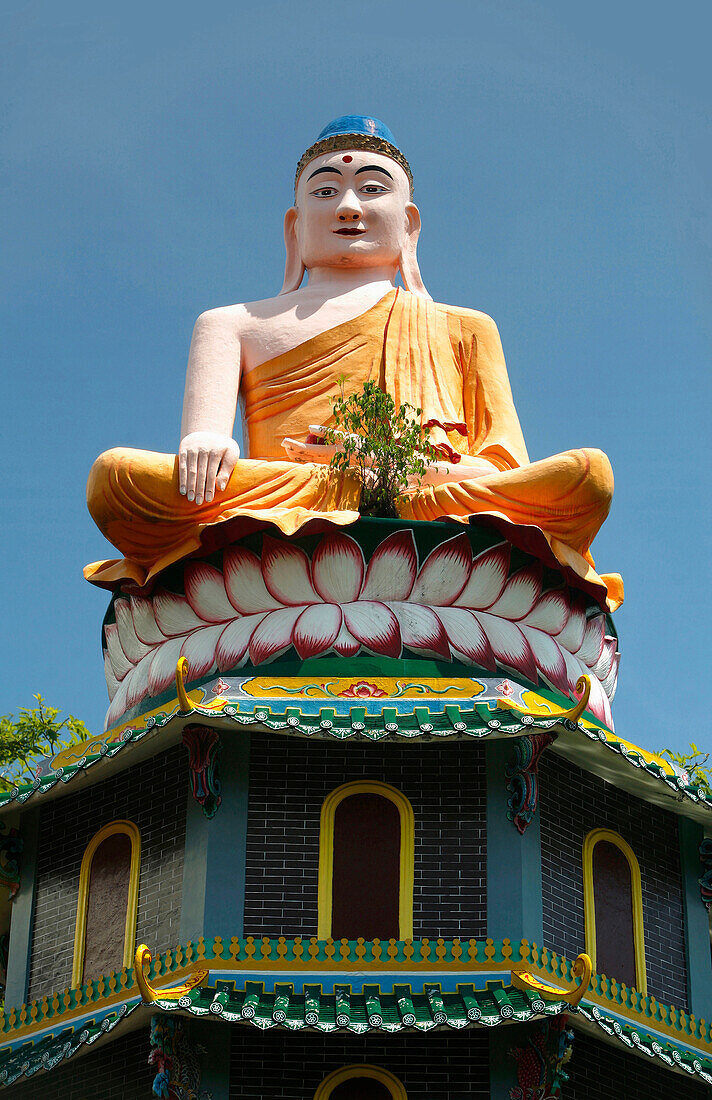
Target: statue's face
x,y
353,210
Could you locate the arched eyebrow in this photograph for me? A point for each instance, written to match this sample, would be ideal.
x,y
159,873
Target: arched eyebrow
x,y
319,170
372,168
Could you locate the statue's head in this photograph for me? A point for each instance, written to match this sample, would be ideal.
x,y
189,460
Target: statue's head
x,y
353,205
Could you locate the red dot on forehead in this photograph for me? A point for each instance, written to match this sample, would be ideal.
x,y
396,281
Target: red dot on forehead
x,y
347,159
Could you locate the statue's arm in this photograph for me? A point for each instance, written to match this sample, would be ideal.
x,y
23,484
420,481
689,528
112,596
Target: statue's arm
x,y
493,428
207,452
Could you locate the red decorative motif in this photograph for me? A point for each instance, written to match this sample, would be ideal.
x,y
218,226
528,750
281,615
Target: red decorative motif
x,y
362,690
203,745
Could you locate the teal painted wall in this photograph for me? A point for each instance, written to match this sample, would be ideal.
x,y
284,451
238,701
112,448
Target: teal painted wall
x,y
697,927
18,968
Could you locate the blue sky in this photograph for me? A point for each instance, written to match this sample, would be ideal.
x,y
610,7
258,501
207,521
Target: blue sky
x,y
562,167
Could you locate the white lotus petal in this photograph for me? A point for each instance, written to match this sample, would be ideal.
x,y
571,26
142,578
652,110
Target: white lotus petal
x,y
575,669
145,625
118,707
119,661
174,614
611,681
205,592
162,672
231,650
572,635
199,650
112,684
137,681
521,593
467,638
346,645
338,568
551,612
598,703
392,569
421,629
375,626
548,656
244,583
317,629
285,569
488,577
132,646
590,649
273,635
510,646
603,665
444,573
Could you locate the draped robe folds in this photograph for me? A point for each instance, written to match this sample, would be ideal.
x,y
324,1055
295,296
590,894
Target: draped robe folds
x,y
446,361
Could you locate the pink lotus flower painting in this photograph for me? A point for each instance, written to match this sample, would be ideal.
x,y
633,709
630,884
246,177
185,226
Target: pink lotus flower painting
x,y
452,607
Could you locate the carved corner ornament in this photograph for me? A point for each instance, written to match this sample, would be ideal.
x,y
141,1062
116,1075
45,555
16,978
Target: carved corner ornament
x,y
582,968
706,879
10,853
540,1064
149,994
523,777
203,745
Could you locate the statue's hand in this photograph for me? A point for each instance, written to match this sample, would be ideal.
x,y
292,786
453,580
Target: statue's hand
x,y
205,461
314,450
442,473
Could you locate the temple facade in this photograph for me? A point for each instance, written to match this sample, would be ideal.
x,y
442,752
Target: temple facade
x,y
359,825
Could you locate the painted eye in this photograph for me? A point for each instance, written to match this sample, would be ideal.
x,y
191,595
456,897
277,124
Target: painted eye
x,y
373,189
324,192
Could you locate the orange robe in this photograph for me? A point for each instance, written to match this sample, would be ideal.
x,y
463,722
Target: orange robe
x,y
446,361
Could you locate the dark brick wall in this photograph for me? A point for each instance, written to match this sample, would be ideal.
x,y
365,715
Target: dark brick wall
x,y
152,794
599,1071
116,1070
289,780
572,802
274,1064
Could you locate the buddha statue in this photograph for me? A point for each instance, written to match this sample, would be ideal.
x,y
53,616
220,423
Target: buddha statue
x,y
353,229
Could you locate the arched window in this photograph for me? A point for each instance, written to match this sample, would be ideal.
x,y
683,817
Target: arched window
x,y
105,934
613,902
366,863
360,1083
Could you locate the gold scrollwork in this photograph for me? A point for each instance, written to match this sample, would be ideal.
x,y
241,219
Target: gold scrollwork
x,y
582,968
142,960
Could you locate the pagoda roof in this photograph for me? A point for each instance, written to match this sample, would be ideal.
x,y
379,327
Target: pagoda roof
x,y
585,742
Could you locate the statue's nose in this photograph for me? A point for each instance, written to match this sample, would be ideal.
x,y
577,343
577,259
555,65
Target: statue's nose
x,y
349,208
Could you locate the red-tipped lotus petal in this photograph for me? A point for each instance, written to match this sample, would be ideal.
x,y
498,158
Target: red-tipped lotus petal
x,y
488,577
144,620
375,626
572,635
611,681
598,703
112,684
231,650
548,656
244,583
199,650
119,661
509,645
132,646
444,573
274,634
174,614
422,630
603,665
346,645
205,592
137,681
285,569
338,568
162,672
317,629
551,612
574,671
520,595
118,707
590,649
468,640
392,569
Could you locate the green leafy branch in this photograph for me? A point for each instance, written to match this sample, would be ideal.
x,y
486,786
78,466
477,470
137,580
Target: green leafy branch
x,y
695,764
383,442
36,731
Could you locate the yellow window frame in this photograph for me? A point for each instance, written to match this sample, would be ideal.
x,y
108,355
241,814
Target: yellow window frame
x,y
131,830
326,853
338,1077
590,842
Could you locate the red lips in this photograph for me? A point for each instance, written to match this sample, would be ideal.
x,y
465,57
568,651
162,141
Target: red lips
x,y
350,232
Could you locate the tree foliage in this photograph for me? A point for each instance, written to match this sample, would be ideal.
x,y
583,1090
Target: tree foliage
x,y
383,442
695,764
36,731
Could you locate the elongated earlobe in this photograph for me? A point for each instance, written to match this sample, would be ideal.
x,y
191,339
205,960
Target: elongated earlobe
x,y
293,268
410,272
